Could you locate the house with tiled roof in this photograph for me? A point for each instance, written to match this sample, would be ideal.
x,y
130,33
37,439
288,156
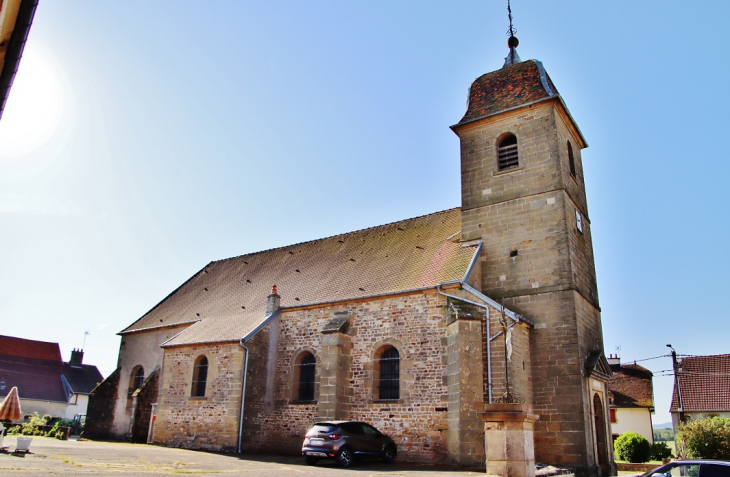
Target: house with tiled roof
x,y
45,383
427,327
631,399
702,388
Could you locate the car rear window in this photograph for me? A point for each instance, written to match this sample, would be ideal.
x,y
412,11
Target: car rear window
x,y
323,428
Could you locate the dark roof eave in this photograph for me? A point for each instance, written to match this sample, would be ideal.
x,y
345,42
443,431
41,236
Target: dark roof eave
x,y
14,52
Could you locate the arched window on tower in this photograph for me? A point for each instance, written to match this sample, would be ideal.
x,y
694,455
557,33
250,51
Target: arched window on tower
x,y
136,379
305,377
571,159
507,152
200,377
387,368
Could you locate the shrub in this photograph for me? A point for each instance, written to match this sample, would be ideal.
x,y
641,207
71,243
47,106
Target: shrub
x,y
632,447
707,438
47,418
14,430
660,450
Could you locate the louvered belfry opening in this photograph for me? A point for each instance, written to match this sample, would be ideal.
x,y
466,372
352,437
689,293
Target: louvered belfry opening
x,y
507,151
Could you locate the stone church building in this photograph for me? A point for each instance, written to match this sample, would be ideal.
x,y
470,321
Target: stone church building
x,y
427,328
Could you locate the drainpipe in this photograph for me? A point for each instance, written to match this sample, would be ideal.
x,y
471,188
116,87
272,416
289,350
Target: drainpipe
x,y
273,302
243,394
489,353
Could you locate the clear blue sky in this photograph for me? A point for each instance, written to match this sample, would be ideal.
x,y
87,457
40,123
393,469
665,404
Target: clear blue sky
x,y
143,140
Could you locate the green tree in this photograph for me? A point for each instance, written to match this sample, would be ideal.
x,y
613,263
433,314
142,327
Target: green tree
x,y
632,447
707,438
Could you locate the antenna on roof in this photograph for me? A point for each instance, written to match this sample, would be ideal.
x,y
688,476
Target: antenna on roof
x,y
512,41
86,333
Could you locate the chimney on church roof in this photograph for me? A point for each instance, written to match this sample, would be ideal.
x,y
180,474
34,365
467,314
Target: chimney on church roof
x,y
613,359
273,301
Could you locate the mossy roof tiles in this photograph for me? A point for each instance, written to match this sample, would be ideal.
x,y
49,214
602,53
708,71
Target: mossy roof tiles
x,y
227,299
631,386
508,88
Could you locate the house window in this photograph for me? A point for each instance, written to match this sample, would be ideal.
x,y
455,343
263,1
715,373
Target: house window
x,y
507,152
613,416
571,159
136,380
306,367
200,376
387,367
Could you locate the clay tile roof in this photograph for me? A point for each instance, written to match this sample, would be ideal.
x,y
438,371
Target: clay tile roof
x,y
29,349
508,88
227,299
35,367
631,386
705,384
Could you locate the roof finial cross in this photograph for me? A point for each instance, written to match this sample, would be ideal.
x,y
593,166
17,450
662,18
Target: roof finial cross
x,y
511,31
512,41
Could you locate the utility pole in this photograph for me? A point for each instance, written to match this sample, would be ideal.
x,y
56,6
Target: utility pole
x,y
675,366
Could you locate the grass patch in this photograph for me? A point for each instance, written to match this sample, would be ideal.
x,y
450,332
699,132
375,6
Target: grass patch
x,y
68,461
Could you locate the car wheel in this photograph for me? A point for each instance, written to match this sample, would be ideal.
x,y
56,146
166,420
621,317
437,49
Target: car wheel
x,y
344,457
310,460
389,454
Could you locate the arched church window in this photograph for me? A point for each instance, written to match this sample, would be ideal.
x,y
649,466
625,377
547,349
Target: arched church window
x,y
200,376
305,376
507,152
571,159
136,379
387,373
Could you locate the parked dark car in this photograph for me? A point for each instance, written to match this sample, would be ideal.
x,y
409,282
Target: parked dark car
x,y
344,441
692,468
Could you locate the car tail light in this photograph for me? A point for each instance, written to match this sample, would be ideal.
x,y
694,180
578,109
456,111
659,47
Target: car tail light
x,y
334,437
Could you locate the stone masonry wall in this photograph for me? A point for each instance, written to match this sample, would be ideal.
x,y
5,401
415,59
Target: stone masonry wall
x,y
415,324
209,422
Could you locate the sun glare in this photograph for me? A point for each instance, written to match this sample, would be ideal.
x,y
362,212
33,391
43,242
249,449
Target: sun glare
x,y
35,105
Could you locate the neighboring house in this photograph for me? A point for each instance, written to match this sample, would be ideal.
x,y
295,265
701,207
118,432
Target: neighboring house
x,y
631,399
404,325
80,379
16,17
45,383
704,388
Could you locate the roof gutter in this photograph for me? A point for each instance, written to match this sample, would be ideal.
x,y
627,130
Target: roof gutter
x,y
15,47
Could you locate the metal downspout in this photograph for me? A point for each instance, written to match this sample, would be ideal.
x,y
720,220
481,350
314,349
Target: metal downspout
x,y
243,395
489,352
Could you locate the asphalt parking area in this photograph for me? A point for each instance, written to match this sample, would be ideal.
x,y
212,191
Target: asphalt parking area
x,y
54,457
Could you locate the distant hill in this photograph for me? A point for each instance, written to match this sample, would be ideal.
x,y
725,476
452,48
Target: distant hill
x,y
666,425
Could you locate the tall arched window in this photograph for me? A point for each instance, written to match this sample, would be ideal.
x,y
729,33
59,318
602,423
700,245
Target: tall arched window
x,y
387,365
571,159
507,152
136,379
200,376
307,375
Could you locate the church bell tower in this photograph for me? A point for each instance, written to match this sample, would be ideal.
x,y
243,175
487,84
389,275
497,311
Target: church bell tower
x,y
523,196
